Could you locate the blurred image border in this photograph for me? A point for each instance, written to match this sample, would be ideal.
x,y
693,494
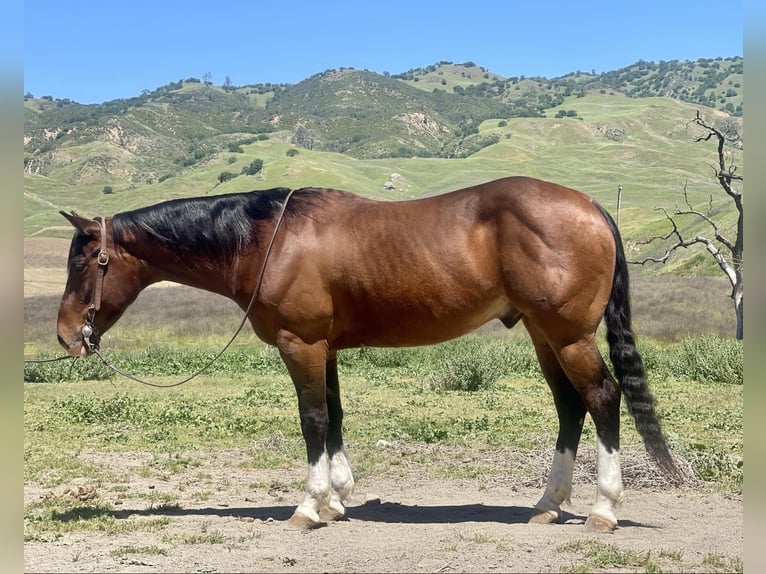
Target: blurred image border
x,y
12,285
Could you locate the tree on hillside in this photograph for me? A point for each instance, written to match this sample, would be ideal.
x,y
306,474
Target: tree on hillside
x,y
304,137
255,166
725,250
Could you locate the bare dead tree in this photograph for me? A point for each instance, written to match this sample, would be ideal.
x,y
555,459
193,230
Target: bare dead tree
x,y
726,252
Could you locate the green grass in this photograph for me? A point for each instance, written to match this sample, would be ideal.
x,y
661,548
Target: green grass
x,y
596,556
50,520
204,537
717,563
388,394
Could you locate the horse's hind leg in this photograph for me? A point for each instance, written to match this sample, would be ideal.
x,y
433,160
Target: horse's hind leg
x,y
571,414
341,477
585,367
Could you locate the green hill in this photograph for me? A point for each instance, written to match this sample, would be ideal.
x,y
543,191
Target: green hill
x,y
359,130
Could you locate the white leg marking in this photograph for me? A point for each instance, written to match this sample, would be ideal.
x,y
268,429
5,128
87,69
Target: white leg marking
x,y
317,489
609,484
342,481
559,487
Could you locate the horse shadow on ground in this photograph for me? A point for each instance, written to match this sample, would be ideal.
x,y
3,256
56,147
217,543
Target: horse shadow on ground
x,y
394,512
376,512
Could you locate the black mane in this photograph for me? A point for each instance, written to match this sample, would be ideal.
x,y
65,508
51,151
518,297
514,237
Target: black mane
x,y
215,226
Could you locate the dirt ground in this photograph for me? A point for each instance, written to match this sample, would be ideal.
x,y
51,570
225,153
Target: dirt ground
x,y
401,523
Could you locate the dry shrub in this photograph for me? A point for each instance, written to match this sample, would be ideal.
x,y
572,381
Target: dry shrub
x,y
531,467
670,308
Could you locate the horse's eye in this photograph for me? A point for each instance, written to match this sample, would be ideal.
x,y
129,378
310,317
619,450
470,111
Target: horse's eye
x,y
78,264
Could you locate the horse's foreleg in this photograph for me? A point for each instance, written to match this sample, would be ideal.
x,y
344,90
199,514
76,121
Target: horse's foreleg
x,y
571,415
307,367
341,477
601,395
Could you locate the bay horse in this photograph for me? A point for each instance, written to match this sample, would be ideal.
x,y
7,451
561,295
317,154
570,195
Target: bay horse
x,y
347,271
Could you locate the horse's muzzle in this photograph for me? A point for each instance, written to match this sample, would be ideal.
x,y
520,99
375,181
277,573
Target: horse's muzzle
x,y
79,347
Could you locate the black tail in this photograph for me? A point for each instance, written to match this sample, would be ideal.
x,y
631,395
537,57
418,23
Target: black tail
x,y
628,366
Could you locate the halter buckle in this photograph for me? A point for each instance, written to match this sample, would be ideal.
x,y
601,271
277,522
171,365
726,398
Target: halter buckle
x,y
103,257
88,330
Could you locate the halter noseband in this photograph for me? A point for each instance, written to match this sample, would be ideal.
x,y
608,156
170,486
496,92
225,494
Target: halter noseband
x,y
88,328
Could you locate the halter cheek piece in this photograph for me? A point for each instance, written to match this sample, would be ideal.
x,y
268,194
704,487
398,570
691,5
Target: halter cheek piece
x,y
88,329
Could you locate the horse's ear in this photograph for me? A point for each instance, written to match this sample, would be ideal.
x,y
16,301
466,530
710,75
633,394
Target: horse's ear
x,y
82,224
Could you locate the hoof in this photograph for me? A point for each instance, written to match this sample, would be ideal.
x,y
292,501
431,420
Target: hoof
x,y
598,524
540,516
331,515
303,522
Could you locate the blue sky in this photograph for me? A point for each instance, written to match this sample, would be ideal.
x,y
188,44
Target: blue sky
x,y
93,52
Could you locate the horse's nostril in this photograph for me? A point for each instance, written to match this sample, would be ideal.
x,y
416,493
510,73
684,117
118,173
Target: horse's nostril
x,y
62,342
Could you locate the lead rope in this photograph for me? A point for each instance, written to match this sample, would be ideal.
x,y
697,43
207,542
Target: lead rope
x,y
236,333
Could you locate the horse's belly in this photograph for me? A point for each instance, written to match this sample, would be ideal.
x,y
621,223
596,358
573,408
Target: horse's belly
x,y
418,326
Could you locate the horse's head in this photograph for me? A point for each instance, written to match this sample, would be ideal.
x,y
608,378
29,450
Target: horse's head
x,y
102,281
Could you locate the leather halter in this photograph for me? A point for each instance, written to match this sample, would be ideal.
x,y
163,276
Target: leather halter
x,y
88,328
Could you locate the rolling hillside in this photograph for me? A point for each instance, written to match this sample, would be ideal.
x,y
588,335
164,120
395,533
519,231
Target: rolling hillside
x,y
423,132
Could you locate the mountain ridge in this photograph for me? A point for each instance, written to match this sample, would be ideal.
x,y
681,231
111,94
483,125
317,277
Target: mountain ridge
x,y
343,110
